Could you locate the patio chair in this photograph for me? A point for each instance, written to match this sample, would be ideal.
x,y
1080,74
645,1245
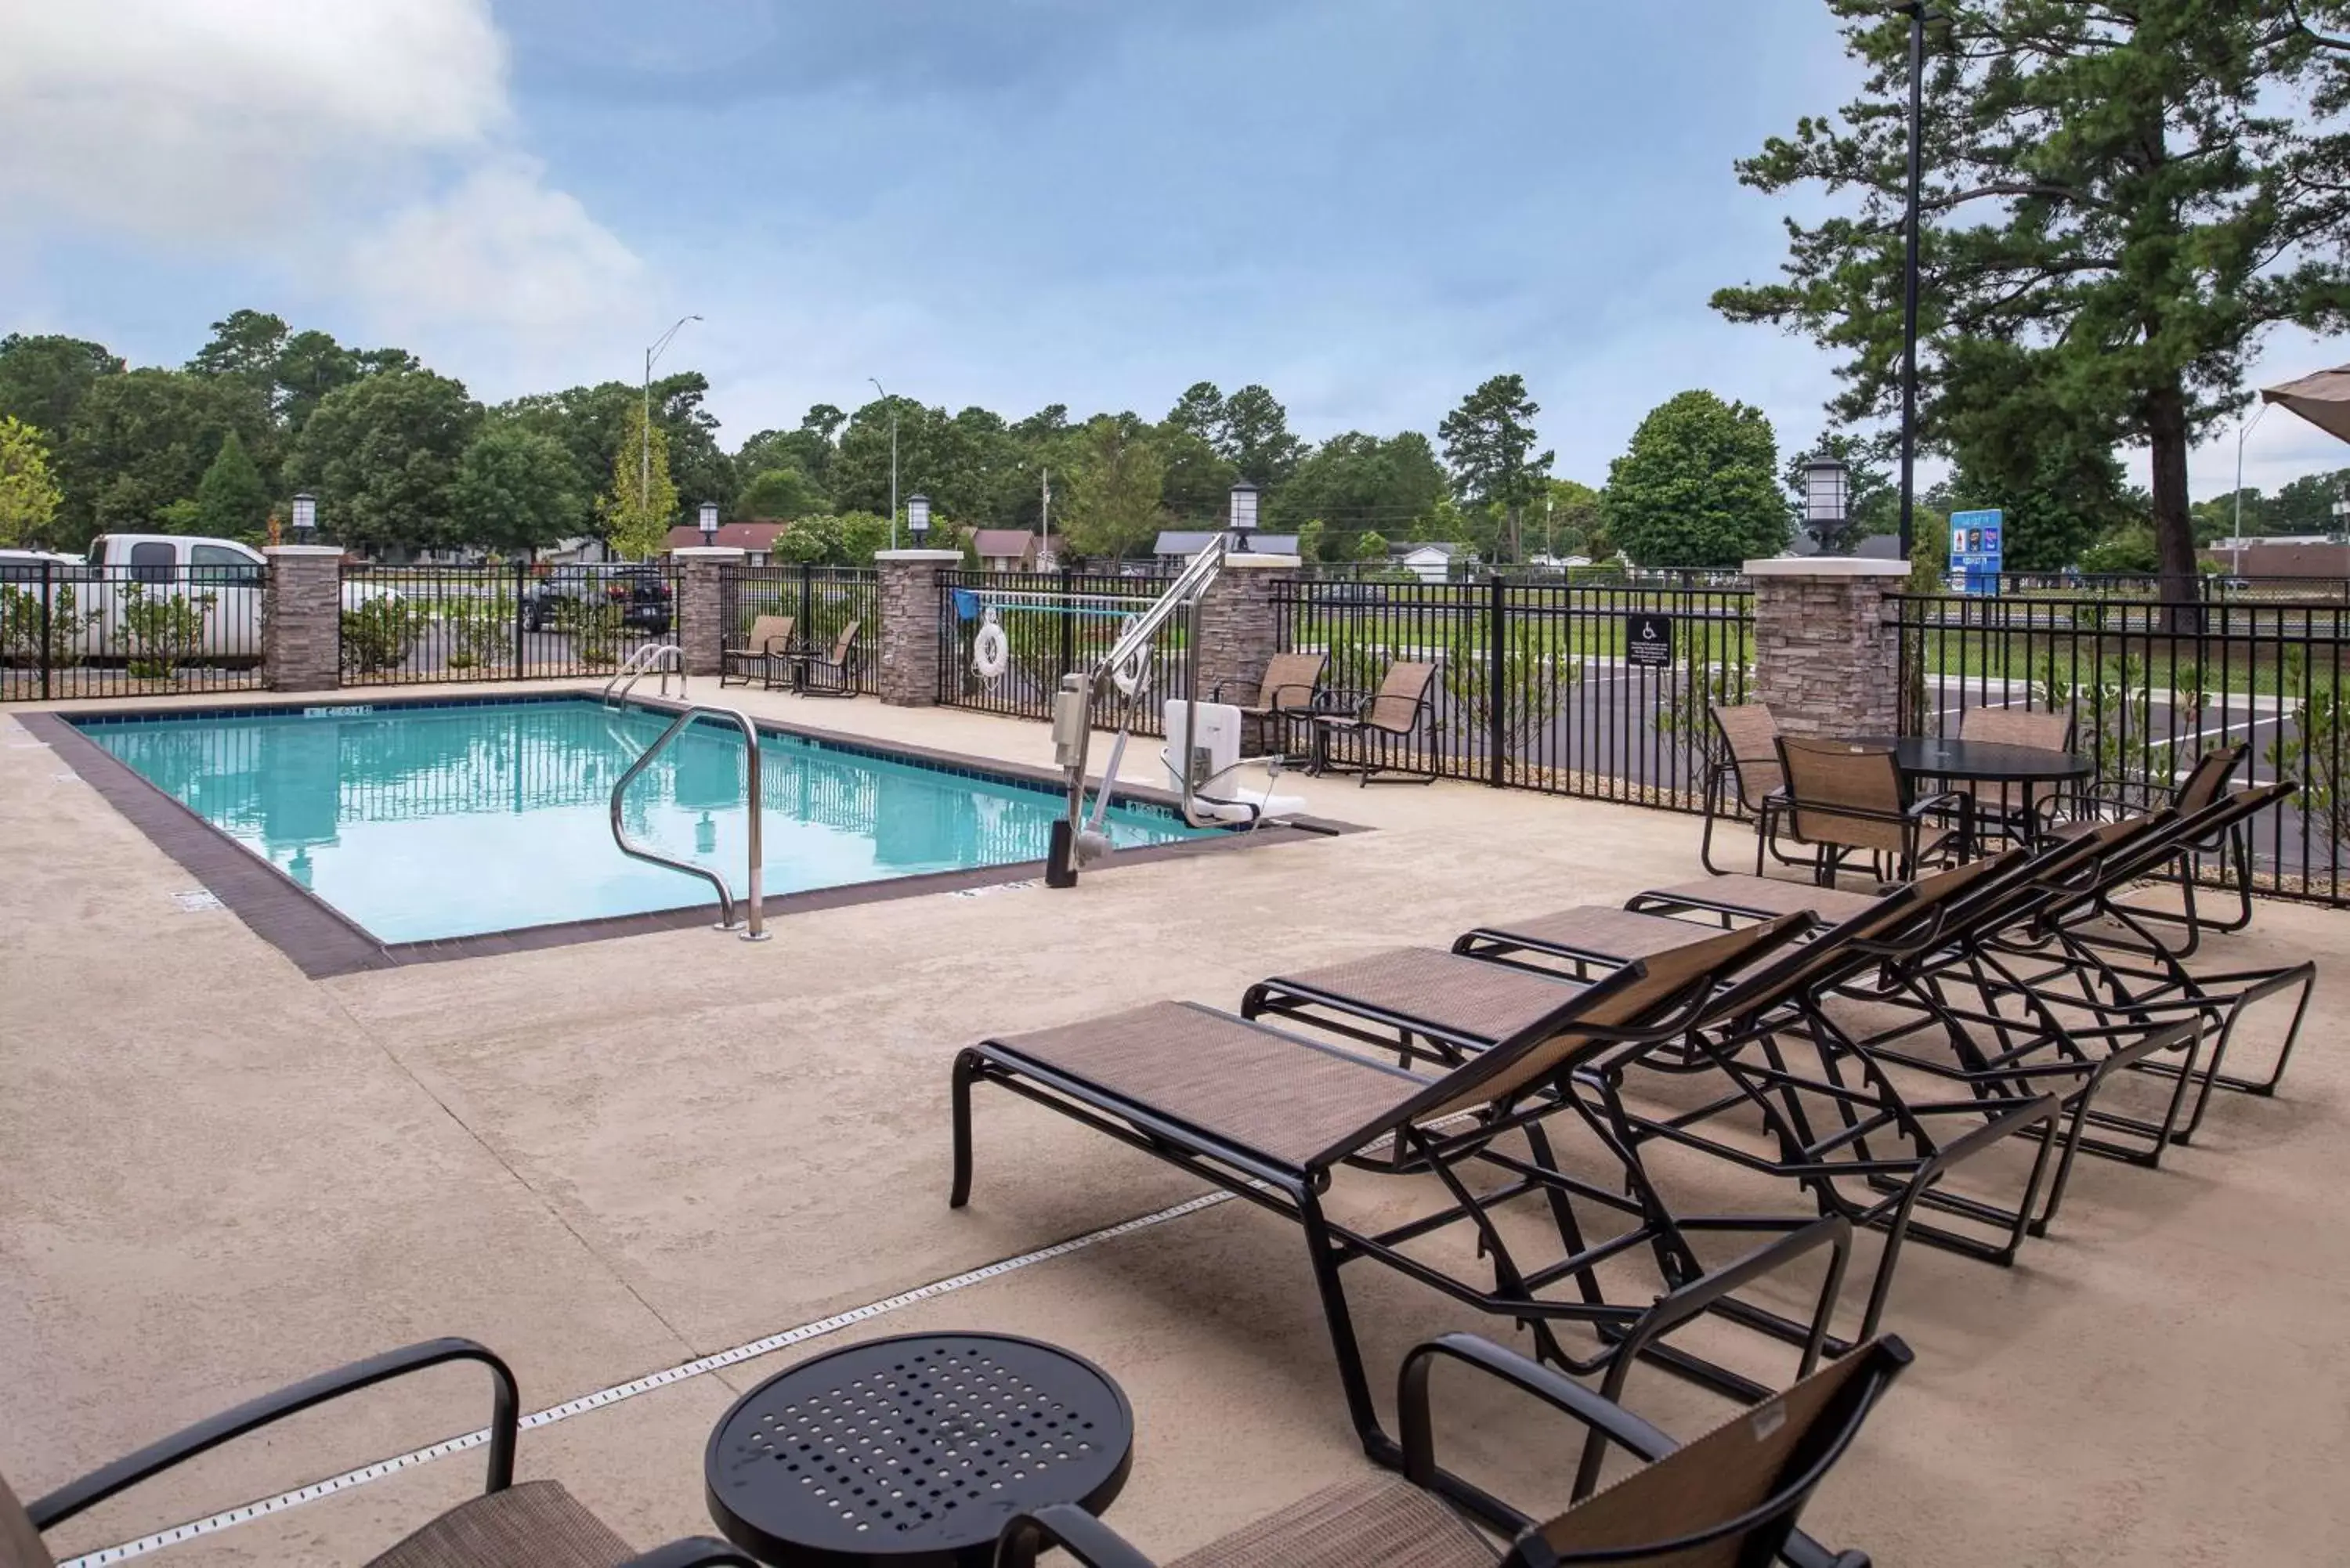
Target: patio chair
x,y
536,1524
1729,1498
2205,784
1382,722
830,674
1748,761
1269,1116
1845,798
1291,682
1998,806
769,645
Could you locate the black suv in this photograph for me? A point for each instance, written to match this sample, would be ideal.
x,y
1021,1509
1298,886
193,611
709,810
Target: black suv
x,y
642,593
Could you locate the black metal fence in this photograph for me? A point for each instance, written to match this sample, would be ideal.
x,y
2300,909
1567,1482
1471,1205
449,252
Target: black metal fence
x,y
2152,687
822,602
1598,691
68,629
1054,623
411,625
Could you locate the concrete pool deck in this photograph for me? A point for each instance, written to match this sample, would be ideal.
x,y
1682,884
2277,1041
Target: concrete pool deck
x,y
610,1159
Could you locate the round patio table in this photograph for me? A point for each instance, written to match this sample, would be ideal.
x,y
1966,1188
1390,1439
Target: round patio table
x,y
1984,761
912,1452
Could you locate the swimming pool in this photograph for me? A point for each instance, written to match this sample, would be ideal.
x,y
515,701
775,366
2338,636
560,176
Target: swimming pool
x,y
421,822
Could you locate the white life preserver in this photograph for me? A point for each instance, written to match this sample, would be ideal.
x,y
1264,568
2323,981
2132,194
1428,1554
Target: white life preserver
x,y
1132,676
991,650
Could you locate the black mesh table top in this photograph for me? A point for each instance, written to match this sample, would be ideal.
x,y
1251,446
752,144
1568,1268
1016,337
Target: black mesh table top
x,y
914,1451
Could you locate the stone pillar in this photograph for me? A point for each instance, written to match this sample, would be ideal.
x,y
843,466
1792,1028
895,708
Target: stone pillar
x,y
909,624
1238,626
1825,660
701,628
302,619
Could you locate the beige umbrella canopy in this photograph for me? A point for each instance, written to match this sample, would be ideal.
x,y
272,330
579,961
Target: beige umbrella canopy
x,y
2324,399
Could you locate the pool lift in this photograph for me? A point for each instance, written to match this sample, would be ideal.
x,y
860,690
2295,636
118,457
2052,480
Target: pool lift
x,y
1204,735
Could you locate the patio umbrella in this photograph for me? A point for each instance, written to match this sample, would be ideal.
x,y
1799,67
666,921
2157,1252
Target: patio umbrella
x,y
2324,399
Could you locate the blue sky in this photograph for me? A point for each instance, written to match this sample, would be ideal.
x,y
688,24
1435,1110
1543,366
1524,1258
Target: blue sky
x,y
1367,205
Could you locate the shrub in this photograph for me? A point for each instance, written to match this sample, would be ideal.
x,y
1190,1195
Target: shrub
x,y
381,634
162,631
20,639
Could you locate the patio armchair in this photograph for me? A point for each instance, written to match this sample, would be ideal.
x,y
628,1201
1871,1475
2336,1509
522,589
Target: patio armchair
x,y
1999,806
1729,1498
1845,798
1749,762
1291,682
535,1524
1269,1117
1381,722
768,645
830,674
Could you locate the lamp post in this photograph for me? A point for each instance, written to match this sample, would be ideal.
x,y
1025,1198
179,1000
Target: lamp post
x,y
305,518
893,459
709,520
1917,13
1827,499
1244,499
645,433
918,518
2236,529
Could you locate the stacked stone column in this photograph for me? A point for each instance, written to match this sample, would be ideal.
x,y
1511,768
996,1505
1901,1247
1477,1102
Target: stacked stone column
x,y
1826,661
701,628
302,619
1240,626
909,624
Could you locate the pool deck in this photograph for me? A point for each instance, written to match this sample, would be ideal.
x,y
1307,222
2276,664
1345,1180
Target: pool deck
x,y
611,1159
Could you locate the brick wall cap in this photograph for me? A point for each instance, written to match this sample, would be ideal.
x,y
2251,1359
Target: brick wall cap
x,y
1827,570
709,553
301,551
1253,562
917,555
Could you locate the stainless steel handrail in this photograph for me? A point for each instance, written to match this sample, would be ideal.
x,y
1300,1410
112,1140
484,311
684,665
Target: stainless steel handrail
x,y
665,656
756,921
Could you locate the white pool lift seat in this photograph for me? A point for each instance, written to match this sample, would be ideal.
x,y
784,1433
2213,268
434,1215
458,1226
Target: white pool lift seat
x,y
1217,795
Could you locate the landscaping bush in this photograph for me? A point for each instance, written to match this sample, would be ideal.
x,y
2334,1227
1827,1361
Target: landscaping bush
x,y
381,634
162,631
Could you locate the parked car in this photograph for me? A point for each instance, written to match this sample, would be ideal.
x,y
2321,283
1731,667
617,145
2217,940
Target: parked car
x,y
642,593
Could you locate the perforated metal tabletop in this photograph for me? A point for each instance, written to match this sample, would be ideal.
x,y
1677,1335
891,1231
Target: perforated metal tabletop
x,y
912,1452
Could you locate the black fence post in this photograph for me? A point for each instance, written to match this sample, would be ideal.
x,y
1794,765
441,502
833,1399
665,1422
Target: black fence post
x,y
807,602
48,591
1069,632
1496,688
521,652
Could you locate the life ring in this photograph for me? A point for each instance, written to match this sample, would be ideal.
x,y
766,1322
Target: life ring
x,y
1135,673
991,650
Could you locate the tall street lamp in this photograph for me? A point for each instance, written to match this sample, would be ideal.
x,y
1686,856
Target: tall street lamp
x,y
644,442
1917,15
893,459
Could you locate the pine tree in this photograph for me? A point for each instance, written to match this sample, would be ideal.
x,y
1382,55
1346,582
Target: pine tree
x,y
231,501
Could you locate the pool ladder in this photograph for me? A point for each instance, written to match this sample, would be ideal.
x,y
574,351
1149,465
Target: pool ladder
x,y
665,657
755,911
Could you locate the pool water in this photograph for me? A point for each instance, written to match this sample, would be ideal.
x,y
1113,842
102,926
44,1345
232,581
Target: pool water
x,y
426,821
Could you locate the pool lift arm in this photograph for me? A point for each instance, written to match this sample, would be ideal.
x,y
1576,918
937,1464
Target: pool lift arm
x,y
1079,841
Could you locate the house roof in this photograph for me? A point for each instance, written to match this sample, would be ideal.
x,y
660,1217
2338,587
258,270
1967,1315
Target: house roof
x,y
752,535
1001,542
1178,542
1405,552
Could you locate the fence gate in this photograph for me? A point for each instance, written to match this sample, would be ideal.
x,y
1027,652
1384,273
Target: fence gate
x,y
1054,623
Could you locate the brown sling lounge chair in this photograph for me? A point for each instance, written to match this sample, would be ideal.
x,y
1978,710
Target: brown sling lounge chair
x,y
768,646
1729,1498
1287,694
1268,1116
1383,723
536,1524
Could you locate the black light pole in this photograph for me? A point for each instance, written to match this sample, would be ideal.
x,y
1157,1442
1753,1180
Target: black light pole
x,y
1917,10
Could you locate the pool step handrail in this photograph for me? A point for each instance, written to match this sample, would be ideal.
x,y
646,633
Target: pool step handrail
x,y
754,902
664,657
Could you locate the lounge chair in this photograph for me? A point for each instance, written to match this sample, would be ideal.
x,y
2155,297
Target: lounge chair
x,y
768,646
830,674
534,1526
1269,1116
1287,694
2204,785
1749,761
1845,798
1731,1499
2000,807
1382,723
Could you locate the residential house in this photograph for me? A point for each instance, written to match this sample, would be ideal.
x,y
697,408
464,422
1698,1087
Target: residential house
x,y
756,538
1176,546
1007,550
1431,563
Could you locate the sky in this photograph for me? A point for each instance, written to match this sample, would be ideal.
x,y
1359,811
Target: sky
x,y
1369,206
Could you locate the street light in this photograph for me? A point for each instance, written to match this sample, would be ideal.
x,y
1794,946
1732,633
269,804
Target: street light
x,y
645,443
1828,498
2236,544
1917,13
1244,497
917,518
709,522
305,518
893,459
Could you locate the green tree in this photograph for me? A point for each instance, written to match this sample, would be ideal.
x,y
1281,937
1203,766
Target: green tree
x,y
246,344
1108,508
2124,199
1371,546
231,499
142,441
28,495
1699,487
783,492
382,455
1254,438
516,492
640,507
1572,523
595,424
43,379
1488,440
2306,504
1354,480
2057,495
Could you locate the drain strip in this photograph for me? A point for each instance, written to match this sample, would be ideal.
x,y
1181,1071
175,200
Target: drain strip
x,y
630,1390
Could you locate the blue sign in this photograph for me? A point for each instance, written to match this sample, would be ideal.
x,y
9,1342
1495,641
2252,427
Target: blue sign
x,y
1978,549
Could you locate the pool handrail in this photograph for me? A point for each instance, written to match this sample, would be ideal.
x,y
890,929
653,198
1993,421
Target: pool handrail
x,y
756,911
647,656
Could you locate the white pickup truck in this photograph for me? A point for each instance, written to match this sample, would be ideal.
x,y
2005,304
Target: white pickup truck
x,y
219,580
